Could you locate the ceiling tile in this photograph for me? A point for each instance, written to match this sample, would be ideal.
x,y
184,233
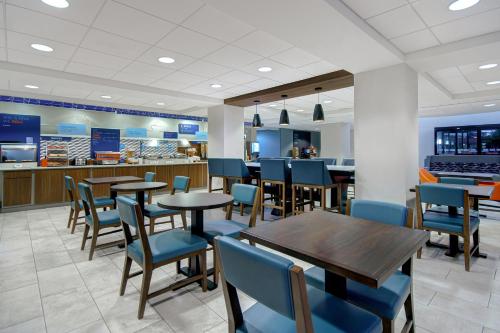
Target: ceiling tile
x,y
232,56
70,92
280,72
185,78
205,69
35,60
201,89
36,24
18,84
295,57
145,70
190,42
262,84
2,37
453,80
172,10
22,42
152,55
134,78
80,11
473,74
4,82
168,84
89,57
105,42
371,8
468,27
2,22
262,43
415,41
482,86
96,96
131,23
319,67
237,77
132,100
212,22
3,55
84,69
397,22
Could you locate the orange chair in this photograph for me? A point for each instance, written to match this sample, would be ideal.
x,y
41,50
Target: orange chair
x,y
495,196
426,177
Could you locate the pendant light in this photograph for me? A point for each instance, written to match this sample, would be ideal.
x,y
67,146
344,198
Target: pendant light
x,y
256,117
284,121
318,115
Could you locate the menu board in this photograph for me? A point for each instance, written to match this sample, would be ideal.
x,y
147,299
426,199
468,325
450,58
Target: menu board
x,y
104,139
188,128
136,132
170,135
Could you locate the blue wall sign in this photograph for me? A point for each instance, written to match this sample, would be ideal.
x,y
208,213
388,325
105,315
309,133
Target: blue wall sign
x,y
170,135
188,128
202,136
18,128
71,129
56,138
136,132
104,139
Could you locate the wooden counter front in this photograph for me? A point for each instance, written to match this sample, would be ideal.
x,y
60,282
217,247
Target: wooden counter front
x,y
17,188
49,186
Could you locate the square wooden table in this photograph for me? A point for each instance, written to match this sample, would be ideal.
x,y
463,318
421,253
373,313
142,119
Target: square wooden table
x,y
346,247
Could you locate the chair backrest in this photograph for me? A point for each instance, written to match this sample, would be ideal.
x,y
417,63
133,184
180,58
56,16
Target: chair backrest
x,y
383,212
440,195
149,176
310,172
216,167
457,180
71,188
248,195
426,177
181,183
87,197
235,167
274,169
271,280
348,162
328,161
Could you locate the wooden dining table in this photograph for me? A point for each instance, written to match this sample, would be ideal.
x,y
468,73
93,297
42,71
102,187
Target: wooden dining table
x,y
345,247
112,181
140,188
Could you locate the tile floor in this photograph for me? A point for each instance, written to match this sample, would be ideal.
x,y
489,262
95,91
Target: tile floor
x,y
48,285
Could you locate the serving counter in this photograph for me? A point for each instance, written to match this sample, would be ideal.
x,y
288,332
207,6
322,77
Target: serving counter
x,y
40,186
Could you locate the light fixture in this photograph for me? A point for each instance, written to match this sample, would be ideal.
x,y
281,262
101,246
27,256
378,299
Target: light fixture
x,y
30,86
489,105
166,60
216,85
106,97
493,83
284,121
455,5
56,3
41,47
488,66
272,105
300,110
327,101
318,115
256,117
160,103
265,69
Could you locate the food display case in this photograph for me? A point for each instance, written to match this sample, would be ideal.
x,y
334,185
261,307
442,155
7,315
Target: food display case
x,y
57,155
107,157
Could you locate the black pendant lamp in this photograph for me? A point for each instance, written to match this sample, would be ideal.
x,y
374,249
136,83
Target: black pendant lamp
x,y
256,117
318,115
284,121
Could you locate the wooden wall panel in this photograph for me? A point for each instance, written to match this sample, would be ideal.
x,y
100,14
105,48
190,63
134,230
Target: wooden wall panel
x,y
102,190
141,170
126,171
49,186
17,188
78,176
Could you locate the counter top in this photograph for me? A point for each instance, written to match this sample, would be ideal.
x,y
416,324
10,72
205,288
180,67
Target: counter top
x,y
123,165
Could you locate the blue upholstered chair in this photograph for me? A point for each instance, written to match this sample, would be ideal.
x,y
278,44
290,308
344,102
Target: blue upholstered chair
x,y
156,251
76,205
148,197
247,194
328,161
236,170
313,175
154,212
215,169
457,180
96,220
284,302
463,225
276,173
348,162
386,301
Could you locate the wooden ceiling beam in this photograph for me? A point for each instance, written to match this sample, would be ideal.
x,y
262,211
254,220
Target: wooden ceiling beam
x,y
330,81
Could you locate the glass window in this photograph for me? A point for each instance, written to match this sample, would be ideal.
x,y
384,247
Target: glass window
x,y
467,142
490,141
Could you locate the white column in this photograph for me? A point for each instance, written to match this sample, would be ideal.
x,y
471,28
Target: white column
x,y
226,131
386,133
336,141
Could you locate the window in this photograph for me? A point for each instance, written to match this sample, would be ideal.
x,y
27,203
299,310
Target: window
x,y
467,140
490,141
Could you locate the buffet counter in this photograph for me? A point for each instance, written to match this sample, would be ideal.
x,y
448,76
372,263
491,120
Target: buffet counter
x,y
38,186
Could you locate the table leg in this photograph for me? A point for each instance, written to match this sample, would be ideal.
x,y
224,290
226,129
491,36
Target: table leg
x,y
113,196
140,200
335,284
453,248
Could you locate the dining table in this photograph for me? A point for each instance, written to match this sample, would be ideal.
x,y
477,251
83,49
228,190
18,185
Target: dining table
x,y
345,247
112,181
140,188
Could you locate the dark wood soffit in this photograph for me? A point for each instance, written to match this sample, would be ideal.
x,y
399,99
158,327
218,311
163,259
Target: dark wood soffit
x,y
330,81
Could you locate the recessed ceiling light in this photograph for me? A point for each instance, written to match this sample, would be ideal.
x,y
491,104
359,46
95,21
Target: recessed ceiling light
x,y
41,47
461,4
56,3
265,69
166,60
327,101
160,103
493,82
272,105
300,110
489,105
106,97
30,86
216,85
488,66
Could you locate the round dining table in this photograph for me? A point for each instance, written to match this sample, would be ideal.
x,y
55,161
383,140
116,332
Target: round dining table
x,y
196,203
139,188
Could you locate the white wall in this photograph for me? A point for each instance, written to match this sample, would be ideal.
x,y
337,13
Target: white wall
x,y
336,141
427,125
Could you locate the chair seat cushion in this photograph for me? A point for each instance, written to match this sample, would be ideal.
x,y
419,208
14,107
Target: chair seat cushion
x,y
105,218
156,211
228,228
447,223
329,314
98,202
385,301
168,245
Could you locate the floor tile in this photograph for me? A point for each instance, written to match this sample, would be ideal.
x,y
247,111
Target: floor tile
x,y
34,325
17,276
95,327
19,305
59,279
47,260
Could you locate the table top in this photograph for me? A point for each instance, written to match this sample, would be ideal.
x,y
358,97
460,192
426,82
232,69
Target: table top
x,y
195,201
365,251
138,186
475,191
112,180
476,175
329,167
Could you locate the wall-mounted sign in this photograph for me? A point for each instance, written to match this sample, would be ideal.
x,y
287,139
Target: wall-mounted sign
x,y
18,128
136,132
170,135
104,139
55,138
188,128
71,129
201,136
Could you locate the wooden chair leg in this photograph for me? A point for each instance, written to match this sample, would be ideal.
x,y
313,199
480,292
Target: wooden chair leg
x,y
151,225
203,267
475,238
75,220
419,253
311,197
184,221
125,274
172,222
293,200
467,252
323,198
387,325
93,244
410,318
146,282
71,212
216,267
209,184
85,235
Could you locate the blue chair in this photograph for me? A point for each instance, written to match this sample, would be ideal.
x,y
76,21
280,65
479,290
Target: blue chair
x,y
457,180
348,162
148,197
96,220
215,169
462,225
284,302
236,170
76,206
313,175
277,174
328,161
247,194
154,212
156,251
386,301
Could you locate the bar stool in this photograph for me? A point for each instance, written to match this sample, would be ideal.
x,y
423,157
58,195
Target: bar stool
x,y
215,169
235,170
312,175
275,172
